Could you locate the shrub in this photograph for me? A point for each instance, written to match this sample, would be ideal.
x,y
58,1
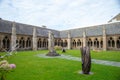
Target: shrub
x,y
57,47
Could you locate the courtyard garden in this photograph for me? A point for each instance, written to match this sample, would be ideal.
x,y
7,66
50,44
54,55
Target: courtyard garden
x,y
29,66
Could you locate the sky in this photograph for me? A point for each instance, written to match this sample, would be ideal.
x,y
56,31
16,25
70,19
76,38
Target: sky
x,y
59,14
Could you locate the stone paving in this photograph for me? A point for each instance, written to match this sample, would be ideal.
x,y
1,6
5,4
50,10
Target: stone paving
x,y
69,57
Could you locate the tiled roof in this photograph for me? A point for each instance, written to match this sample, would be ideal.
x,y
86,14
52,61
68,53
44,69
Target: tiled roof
x,y
24,29
111,28
44,32
5,26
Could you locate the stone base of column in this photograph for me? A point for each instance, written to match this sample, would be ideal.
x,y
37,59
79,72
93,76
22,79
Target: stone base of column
x,y
53,53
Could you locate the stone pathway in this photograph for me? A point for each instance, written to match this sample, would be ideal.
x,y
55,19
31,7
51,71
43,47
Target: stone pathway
x,y
69,57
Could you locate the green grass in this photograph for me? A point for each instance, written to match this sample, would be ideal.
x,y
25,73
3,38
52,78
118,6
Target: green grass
x,y
102,55
32,67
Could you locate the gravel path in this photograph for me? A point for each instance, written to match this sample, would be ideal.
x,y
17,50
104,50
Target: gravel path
x,y
69,57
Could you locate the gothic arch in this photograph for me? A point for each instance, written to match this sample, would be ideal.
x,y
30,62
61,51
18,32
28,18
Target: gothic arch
x,y
6,42
90,42
78,42
44,42
47,43
55,42
111,42
61,43
39,43
28,43
74,43
65,43
96,43
22,42
118,42
101,43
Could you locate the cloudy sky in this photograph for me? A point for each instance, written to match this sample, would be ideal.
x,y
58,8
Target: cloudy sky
x,y
59,14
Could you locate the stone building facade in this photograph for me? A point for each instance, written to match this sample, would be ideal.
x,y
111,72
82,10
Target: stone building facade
x,y
28,37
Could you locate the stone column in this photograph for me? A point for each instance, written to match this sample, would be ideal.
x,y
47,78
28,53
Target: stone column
x,y
51,41
115,39
52,52
69,40
0,41
104,39
84,39
13,37
34,39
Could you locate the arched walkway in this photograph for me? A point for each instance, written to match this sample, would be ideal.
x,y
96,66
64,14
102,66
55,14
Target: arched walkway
x,y
6,43
118,42
74,44
111,42
28,43
96,43
39,43
78,42
22,42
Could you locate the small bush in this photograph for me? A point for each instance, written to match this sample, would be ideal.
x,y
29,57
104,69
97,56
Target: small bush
x,y
57,47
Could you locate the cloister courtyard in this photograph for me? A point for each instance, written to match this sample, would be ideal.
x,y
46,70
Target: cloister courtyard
x,y
32,65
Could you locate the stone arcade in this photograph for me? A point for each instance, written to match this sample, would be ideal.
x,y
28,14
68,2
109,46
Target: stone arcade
x,y
99,37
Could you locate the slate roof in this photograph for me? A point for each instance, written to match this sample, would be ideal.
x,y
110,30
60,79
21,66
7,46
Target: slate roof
x,y
111,28
94,30
5,26
44,32
97,30
25,29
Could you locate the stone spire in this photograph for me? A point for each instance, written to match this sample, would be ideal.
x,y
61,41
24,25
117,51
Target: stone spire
x,y
69,40
13,37
51,52
51,41
34,39
104,39
84,39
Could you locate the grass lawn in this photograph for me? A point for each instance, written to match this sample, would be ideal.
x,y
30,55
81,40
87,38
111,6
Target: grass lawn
x,y
32,67
102,55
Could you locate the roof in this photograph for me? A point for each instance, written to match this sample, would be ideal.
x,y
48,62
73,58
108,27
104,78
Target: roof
x,y
115,18
5,26
97,30
25,29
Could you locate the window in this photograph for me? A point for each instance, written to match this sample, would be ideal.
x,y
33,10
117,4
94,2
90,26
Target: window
x,y
78,42
111,42
28,42
22,43
96,43
39,43
6,43
118,42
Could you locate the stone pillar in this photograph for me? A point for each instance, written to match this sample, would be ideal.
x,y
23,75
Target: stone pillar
x,y
34,39
115,39
84,39
51,41
13,37
52,52
0,42
104,39
69,40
